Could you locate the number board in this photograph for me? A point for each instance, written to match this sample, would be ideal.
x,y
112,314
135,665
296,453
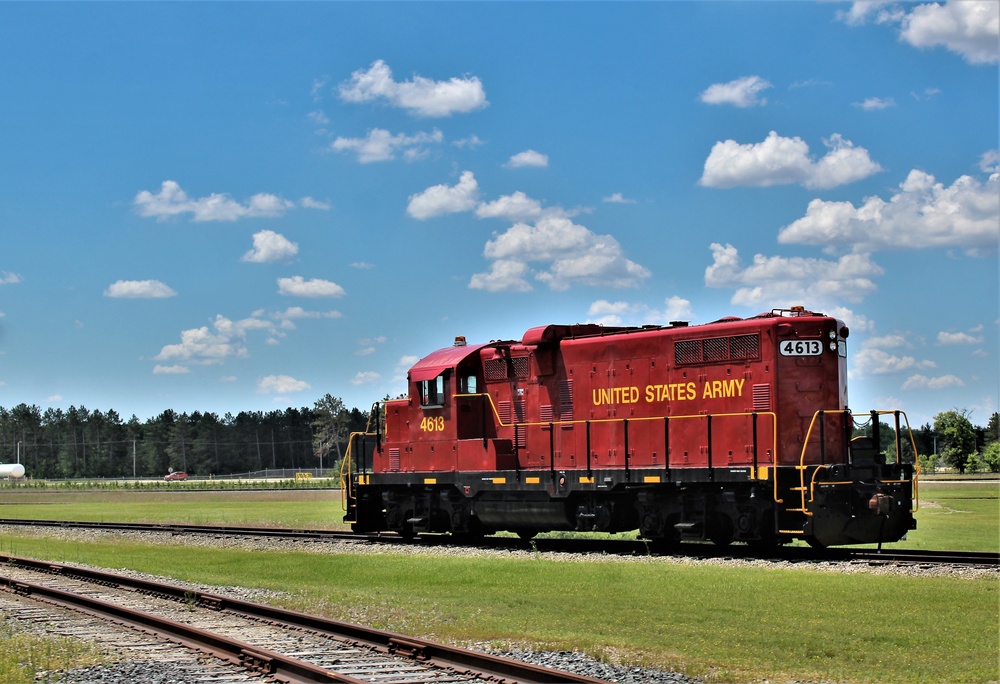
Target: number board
x,y
801,348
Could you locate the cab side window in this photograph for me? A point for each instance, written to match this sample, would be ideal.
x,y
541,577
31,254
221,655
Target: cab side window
x,y
432,392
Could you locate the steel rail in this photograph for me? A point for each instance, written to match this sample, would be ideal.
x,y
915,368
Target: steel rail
x,y
626,547
486,666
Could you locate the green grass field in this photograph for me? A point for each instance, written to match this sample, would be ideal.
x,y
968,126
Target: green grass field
x,y
736,624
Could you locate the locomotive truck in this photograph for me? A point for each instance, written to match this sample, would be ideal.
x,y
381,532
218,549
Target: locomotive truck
x,y
735,430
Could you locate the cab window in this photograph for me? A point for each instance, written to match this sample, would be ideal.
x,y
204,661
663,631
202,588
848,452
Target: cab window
x,y
432,392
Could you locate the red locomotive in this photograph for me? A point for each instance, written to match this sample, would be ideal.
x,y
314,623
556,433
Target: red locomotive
x,y
736,430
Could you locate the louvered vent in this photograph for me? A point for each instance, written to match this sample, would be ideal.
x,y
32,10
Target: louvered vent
x,y
393,460
545,413
761,397
566,399
503,409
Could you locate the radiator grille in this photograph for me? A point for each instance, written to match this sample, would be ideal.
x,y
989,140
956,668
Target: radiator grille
x,y
496,369
394,460
716,349
521,366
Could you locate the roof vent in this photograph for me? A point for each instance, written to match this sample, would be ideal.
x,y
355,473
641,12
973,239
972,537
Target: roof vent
x,y
678,324
460,341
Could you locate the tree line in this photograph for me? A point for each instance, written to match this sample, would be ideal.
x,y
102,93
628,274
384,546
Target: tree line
x,y
80,443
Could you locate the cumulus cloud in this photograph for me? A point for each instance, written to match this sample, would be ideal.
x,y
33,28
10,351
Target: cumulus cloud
x,y
8,278
421,96
577,256
875,103
381,145
280,384
444,199
923,213
171,200
527,158
970,28
208,346
505,275
918,381
365,378
139,289
620,313
777,282
543,245
270,247
743,92
781,161
944,337
617,198
297,286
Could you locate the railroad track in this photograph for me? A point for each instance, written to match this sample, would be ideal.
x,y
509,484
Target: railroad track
x,y
240,640
623,547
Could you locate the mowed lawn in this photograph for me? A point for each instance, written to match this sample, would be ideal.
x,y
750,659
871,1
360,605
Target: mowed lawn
x,y
725,623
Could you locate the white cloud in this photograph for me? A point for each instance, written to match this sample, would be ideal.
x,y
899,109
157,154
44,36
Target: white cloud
x,y
515,207
381,145
941,382
170,370
311,203
577,256
873,361
970,28
778,282
366,378
297,286
171,200
924,213
875,103
967,27
505,275
443,199
781,161
139,289
743,92
362,265
893,341
990,161
617,198
280,384
472,142
527,158
604,312
958,338
270,247
205,346
420,96
8,278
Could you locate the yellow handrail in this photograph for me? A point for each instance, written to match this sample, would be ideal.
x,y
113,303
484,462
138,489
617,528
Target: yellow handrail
x,y
802,467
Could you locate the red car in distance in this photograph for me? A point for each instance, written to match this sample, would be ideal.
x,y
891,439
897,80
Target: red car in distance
x,y
176,475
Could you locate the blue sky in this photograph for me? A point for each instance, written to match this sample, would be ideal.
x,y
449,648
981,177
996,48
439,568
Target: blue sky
x,y
245,206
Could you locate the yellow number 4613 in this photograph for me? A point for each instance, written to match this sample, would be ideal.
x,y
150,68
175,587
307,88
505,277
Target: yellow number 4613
x,y
432,424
